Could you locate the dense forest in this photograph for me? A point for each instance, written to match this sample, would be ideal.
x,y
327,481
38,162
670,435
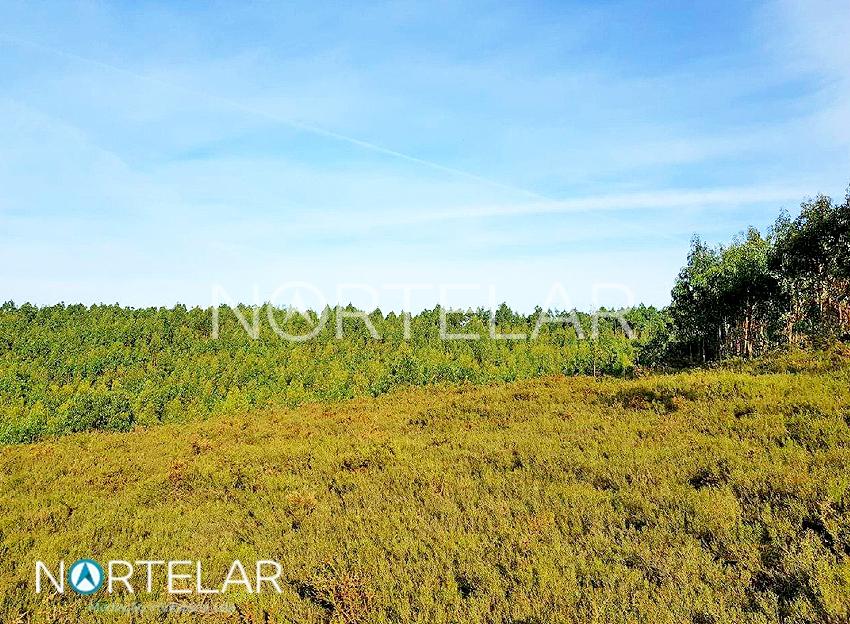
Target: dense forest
x,y
72,368
66,368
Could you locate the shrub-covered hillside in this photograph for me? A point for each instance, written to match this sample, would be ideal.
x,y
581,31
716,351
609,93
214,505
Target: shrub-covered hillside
x,y
711,497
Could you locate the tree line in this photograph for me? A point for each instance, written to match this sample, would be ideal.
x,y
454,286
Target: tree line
x,y
789,287
66,368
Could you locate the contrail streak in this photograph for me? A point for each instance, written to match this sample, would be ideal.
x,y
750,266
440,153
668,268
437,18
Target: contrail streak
x,y
544,205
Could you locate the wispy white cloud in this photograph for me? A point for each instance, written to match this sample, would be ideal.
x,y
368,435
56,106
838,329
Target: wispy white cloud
x,y
809,38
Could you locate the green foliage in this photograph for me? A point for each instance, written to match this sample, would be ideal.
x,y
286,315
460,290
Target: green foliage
x,y
811,254
73,368
789,288
96,409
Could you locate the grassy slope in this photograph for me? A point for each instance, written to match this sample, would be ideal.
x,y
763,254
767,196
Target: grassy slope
x,y
702,497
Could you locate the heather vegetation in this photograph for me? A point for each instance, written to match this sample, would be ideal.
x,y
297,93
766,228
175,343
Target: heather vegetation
x,y
570,475
709,496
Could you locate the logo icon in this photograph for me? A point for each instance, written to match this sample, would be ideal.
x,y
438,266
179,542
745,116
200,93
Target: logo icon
x,y
85,576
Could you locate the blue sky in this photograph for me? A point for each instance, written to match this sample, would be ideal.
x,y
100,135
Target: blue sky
x,y
149,151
